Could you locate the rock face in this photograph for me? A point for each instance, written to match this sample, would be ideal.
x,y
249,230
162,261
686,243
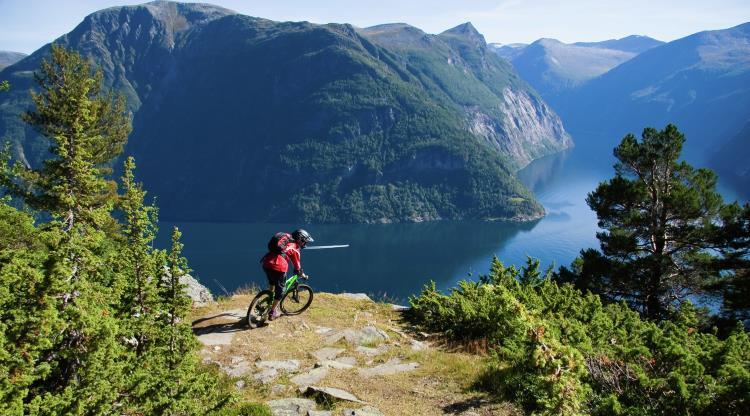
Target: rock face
x,y
355,126
199,294
533,130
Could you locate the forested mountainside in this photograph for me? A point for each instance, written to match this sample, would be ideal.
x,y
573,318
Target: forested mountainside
x,y
239,118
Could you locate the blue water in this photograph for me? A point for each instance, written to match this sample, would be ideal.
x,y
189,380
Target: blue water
x,y
394,261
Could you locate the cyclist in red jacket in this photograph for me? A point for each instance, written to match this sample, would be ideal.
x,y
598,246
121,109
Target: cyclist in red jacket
x,y
276,264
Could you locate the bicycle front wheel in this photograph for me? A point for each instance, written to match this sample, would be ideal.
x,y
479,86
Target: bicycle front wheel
x,y
259,308
297,300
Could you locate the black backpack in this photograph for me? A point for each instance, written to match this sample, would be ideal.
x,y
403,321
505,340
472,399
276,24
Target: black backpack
x,y
278,242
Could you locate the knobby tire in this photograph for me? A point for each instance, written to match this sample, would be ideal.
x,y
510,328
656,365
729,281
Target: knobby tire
x,y
292,305
257,312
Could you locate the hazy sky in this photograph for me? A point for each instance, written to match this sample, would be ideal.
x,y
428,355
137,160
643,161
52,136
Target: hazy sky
x,y
26,25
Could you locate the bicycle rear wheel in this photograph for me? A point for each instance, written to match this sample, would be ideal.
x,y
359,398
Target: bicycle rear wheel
x,y
297,300
257,312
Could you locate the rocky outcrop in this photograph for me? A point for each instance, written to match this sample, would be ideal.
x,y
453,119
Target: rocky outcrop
x,y
530,129
199,294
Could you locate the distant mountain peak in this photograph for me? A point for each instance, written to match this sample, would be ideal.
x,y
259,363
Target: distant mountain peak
x,y
175,15
8,58
468,31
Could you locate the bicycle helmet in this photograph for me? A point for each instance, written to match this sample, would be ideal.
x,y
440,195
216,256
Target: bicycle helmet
x,y
302,236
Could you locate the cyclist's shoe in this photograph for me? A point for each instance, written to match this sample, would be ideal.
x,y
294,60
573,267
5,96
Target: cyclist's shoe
x,y
274,314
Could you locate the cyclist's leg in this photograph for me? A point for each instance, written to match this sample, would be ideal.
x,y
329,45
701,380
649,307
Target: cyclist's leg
x,y
275,280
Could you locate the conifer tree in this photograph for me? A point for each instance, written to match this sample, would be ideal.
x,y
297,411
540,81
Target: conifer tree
x,y
660,218
86,129
140,301
68,338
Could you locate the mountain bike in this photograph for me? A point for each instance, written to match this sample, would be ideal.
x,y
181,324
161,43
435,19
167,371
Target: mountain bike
x,y
295,299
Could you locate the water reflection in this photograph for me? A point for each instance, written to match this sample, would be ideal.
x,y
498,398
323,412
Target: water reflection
x,y
395,260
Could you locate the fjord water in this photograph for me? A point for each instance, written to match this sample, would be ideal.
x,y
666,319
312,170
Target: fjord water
x,y
396,260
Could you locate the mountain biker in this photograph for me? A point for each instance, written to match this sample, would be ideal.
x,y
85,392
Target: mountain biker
x,y
276,263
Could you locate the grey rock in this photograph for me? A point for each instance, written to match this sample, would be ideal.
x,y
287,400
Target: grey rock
x,y
291,407
234,314
279,388
237,370
366,335
319,413
418,345
399,308
346,360
365,411
327,353
393,366
199,294
335,364
322,330
216,338
355,296
240,384
279,365
372,351
266,375
311,377
331,393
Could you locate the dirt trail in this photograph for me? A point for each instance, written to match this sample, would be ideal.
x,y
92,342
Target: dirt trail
x,y
346,355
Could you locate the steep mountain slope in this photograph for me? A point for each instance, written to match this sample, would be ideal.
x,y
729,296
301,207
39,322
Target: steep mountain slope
x,y
457,68
552,67
8,58
700,82
244,119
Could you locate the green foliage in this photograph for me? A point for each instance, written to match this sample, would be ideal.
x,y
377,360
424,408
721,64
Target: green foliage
x,y
662,227
245,409
4,85
90,325
86,129
559,351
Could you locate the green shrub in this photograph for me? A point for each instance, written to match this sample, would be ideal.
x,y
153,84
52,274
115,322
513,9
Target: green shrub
x,y
246,409
559,351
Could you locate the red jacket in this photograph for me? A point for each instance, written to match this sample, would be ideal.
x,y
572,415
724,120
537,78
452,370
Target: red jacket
x,y
279,263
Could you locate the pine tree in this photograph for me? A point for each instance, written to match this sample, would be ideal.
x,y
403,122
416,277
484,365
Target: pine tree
x,y
660,218
68,336
86,128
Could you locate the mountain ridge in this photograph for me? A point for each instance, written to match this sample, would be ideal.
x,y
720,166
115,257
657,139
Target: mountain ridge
x,y
294,121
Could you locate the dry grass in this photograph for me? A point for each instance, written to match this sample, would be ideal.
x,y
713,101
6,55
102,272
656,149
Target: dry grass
x,y
440,385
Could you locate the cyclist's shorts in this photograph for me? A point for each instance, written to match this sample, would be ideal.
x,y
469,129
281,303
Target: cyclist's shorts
x,y
276,279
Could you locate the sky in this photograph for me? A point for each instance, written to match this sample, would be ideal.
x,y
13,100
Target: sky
x,y
26,25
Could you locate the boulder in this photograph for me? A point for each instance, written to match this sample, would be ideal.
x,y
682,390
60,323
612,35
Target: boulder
x,y
238,369
199,294
291,407
279,365
393,366
355,296
216,338
327,353
311,377
266,375
330,393
367,335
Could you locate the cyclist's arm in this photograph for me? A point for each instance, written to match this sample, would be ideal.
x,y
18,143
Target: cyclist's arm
x,y
294,257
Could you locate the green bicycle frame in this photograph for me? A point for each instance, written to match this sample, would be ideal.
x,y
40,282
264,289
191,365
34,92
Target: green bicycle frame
x,y
290,282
